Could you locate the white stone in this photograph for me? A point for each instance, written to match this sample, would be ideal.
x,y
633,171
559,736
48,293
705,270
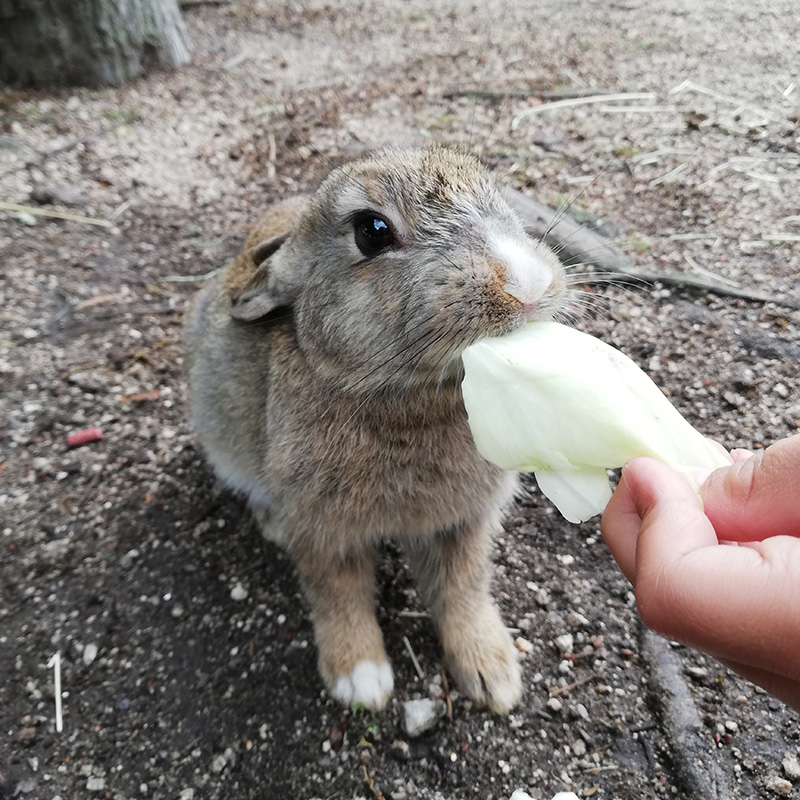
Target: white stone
x,y
791,767
89,653
576,620
565,642
523,645
779,785
421,715
238,592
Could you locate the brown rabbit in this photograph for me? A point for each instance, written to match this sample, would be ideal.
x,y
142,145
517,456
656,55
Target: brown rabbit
x,y
324,374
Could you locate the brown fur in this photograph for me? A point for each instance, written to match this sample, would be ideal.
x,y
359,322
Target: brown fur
x,y
278,222
342,419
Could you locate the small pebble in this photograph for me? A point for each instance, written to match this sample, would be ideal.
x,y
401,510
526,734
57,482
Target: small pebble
x,y
791,767
218,763
698,673
95,784
576,620
238,592
554,704
565,642
579,748
421,715
89,653
779,785
523,645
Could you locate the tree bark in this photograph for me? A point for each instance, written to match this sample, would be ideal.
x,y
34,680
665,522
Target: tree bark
x,y
46,43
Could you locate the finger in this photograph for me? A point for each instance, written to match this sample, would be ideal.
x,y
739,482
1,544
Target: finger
x,y
757,497
741,455
736,603
673,504
669,507
787,689
620,527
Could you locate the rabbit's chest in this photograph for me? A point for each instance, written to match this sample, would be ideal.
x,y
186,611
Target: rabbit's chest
x,y
402,473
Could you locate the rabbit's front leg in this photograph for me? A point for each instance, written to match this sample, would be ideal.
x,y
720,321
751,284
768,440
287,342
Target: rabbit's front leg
x,y
453,572
341,593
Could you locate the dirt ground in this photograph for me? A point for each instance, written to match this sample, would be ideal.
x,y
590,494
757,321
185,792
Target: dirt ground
x,y
188,663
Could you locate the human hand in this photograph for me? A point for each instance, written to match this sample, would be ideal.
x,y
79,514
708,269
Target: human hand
x,y
722,576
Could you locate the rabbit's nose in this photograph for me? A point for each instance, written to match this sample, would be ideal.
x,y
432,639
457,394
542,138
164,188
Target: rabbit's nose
x,y
528,275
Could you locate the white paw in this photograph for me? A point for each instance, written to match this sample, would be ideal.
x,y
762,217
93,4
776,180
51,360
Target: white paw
x,y
369,685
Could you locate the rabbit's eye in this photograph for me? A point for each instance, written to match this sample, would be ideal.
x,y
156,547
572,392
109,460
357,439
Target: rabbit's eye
x,y
372,234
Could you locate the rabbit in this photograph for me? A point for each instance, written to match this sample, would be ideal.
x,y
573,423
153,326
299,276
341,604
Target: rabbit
x,y
324,379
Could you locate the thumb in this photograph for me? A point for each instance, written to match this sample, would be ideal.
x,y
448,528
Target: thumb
x,y
758,497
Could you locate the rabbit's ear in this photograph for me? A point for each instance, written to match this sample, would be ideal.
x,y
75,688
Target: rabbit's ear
x,y
267,289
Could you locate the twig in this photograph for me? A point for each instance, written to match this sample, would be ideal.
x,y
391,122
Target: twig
x,y
448,699
697,769
102,299
574,243
188,278
234,61
668,176
414,661
637,109
43,212
368,780
700,270
55,663
689,85
559,690
780,237
622,97
120,209
524,94
271,157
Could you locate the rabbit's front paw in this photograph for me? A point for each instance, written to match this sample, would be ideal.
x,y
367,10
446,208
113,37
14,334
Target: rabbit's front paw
x,y
369,684
485,665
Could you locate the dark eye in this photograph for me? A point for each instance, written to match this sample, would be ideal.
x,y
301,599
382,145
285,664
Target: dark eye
x,y
373,234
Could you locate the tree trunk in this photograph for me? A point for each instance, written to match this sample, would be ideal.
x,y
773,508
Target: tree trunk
x,y
88,42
